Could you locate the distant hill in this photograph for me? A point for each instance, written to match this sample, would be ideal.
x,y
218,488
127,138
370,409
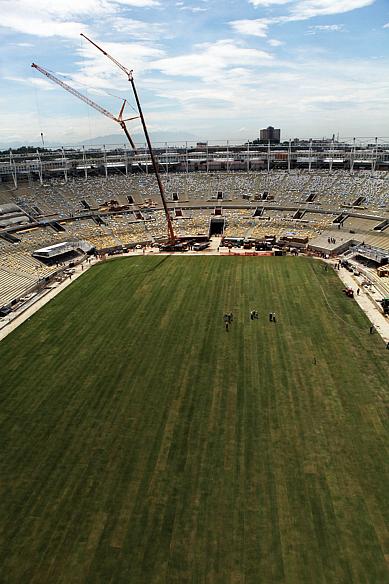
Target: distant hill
x,y
156,137
119,139
5,146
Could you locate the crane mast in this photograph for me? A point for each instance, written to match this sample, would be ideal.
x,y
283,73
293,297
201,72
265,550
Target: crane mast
x,y
130,77
172,237
119,119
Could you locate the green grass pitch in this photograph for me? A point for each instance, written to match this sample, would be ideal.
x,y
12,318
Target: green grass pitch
x,y
142,443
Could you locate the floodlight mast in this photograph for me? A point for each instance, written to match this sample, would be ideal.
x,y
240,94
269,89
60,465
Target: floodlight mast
x,y
119,119
130,77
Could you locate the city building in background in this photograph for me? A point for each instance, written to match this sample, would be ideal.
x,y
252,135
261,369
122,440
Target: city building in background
x,y
270,134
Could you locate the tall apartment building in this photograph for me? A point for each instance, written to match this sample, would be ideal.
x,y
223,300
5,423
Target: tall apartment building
x,y
270,134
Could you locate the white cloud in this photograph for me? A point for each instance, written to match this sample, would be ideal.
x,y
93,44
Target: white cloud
x,y
324,95
304,9
138,29
256,27
42,27
209,59
268,2
201,107
275,43
358,92
223,84
36,81
47,18
297,10
138,3
193,9
63,128
96,75
64,9
326,28
386,25
97,72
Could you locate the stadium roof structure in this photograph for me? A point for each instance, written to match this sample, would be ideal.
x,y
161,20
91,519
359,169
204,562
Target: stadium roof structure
x,y
59,249
54,250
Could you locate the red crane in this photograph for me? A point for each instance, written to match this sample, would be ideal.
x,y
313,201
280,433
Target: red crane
x,y
129,74
119,119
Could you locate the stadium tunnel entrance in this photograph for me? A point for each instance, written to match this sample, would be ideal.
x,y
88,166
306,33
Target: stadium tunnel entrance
x,y
216,226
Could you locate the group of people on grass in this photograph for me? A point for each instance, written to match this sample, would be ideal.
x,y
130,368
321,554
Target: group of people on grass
x,y
228,318
255,316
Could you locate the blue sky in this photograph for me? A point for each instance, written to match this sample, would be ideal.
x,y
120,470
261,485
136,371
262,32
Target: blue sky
x,y
211,68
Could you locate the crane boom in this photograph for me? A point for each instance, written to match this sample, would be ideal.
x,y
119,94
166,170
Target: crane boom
x,y
88,101
122,67
76,93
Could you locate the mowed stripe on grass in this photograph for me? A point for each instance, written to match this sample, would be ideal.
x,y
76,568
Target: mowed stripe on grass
x,y
141,442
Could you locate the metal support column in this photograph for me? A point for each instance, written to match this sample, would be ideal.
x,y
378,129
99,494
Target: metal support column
x,y
14,173
289,154
40,167
65,168
352,158
84,163
105,163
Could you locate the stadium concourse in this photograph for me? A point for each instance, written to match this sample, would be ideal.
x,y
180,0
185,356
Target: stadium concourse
x,y
325,213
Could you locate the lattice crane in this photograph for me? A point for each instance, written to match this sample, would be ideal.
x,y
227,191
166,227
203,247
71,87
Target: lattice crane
x,y
130,77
